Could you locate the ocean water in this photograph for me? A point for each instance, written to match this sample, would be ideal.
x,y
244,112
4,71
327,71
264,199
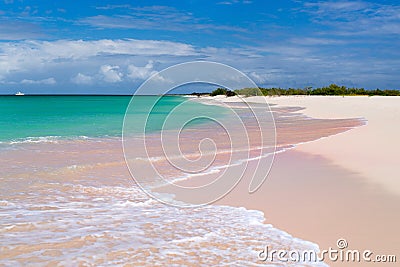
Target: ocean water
x,y
36,117
68,199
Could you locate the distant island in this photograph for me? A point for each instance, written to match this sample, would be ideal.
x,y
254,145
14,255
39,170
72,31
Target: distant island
x,y
332,89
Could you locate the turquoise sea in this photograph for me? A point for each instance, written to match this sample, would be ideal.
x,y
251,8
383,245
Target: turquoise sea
x,y
24,117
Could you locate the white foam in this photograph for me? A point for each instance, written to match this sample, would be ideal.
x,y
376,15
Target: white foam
x,y
125,219
35,140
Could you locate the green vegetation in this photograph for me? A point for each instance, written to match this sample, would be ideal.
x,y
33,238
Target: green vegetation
x,y
249,91
222,91
332,89
199,94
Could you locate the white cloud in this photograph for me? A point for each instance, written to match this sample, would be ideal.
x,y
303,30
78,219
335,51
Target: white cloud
x,y
68,57
48,81
317,41
232,2
154,17
111,74
260,78
31,55
19,30
84,49
82,79
141,73
349,18
342,6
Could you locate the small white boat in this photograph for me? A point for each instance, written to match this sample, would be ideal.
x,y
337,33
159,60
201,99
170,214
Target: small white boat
x,y
19,93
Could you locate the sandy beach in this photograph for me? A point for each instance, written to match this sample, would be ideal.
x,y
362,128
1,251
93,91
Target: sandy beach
x,y
370,151
342,186
366,195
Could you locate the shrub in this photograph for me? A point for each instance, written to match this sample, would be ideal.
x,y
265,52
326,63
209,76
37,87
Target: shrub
x,y
222,91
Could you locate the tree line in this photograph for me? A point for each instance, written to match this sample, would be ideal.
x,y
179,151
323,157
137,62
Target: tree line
x,y
332,89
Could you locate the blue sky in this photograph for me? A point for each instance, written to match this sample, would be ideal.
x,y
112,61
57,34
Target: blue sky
x,y
113,46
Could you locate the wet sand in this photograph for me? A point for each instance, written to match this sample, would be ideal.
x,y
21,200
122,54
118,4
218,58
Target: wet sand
x,y
313,199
